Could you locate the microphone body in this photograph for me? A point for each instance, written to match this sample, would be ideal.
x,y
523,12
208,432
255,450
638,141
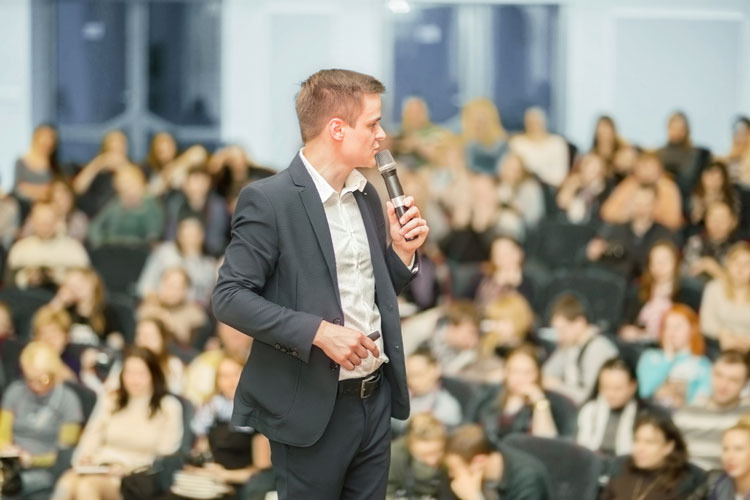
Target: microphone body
x,y
387,169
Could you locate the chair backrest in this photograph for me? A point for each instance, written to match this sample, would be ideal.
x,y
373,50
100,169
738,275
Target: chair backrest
x,y
86,396
119,266
573,470
558,244
23,304
602,293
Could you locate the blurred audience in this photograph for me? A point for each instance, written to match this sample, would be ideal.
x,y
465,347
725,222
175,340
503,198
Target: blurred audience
x,y
544,154
485,139
416,458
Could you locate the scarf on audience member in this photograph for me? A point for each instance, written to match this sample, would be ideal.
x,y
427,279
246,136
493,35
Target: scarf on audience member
x,y
593,422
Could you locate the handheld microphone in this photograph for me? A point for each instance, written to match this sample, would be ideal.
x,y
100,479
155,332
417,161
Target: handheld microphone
x,y
387,168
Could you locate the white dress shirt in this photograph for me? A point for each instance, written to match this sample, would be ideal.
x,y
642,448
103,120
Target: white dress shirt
x,y
354,271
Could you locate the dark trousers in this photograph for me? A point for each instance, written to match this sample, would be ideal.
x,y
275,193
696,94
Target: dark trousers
x,y
350,461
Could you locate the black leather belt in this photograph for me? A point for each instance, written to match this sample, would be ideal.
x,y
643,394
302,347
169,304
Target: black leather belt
x,y
361,387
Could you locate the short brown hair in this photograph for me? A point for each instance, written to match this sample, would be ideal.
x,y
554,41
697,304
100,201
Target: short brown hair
x,y
569,307
329,93
468,441
461,311
734,357
425,427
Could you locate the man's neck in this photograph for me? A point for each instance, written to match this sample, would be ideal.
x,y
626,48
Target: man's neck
x,y
324,162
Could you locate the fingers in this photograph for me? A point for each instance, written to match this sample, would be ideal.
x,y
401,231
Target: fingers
x,y
370,346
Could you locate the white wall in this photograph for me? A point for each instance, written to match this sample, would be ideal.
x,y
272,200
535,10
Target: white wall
x,y
271,46
15,84
640,60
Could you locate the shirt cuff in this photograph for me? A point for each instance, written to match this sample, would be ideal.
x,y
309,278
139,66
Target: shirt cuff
x,y
414,268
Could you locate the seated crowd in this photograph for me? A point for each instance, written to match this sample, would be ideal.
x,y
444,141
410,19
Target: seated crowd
x,y
579,328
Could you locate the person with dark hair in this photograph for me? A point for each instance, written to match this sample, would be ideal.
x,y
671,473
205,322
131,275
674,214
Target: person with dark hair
x,y
605,422
520,405
705,253
37,168
624,247
681,159
703,422
658,467
503,273
738,159
479,469
607,142
714,185
584,190
456,339
581,350
128,429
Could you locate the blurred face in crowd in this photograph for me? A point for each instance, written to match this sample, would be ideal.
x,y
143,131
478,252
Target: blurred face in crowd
x,y
45,140
80,286
520,372
165,148
136,378
616,387
228,377
625,159
738,269
506,254
735,453
712,179
662,263
605,132
44,221
647,170
173,288
511,170
197,185
677,129
361,140
62,198
130,185
463,335
592,169
116,142
38,379
727,382
54,335
190,235
427,451
676,332
720,221
414,115
741,135
6,322
534,121
147,335
650,447
569,331
644,202
422,375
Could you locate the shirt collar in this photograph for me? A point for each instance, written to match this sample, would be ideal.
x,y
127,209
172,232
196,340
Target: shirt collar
x,y
355,182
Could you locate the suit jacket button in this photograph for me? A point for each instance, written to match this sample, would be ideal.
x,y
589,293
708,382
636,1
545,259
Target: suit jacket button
x,y
336,321
333,366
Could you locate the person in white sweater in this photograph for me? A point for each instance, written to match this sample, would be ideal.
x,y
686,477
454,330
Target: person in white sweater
x,y
129,428
544,154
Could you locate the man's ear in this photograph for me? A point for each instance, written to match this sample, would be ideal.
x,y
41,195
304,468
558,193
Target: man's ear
x,y
336,129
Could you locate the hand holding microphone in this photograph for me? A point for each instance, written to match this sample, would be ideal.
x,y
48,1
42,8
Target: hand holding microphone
x,y
408,230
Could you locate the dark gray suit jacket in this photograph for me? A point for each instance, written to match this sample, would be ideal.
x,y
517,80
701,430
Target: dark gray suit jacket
x,y
277,283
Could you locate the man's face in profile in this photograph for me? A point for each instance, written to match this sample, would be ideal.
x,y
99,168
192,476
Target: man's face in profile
x,y
362,139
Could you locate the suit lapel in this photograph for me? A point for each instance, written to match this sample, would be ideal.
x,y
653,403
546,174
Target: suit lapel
x,y
379,268
316,214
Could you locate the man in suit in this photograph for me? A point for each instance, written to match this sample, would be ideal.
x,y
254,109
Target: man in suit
x,y
309,276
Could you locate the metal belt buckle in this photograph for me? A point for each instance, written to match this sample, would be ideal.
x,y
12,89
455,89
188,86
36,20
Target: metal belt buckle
x,y
362,391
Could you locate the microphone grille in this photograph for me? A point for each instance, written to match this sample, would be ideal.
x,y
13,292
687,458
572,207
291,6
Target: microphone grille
x,y
384,159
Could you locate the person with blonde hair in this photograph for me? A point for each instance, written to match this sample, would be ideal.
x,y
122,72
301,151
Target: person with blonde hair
x,y
52,326
732,480
40,417
507,323
485,139
416,458
725,308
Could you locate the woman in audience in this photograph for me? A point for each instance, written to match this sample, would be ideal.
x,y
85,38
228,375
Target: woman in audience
x,y
485,139
186,252
732,482
173,307
543,153
94,183
658,288
503,273
714,185
520,197
161,151
37,168
40,417
584,190
605,423
680,159
74,222
417,143
725,308
416,458
607,142
507,324
82,295
133,217
678,373
704,254
234,456
738,158
128,430
658,467
624,162
520,405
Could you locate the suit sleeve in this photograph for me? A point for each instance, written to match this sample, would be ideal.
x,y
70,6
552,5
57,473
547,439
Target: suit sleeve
x,y
250,259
